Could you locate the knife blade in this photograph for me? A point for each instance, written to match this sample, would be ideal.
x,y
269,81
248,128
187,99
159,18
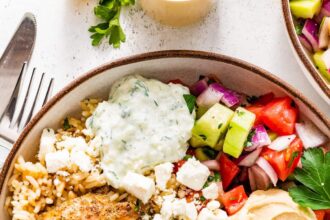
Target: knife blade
x,y
18,51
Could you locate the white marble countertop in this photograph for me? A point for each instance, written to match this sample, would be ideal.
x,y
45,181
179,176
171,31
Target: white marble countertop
x,y
251,30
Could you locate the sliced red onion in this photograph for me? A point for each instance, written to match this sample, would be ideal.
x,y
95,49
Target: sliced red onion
x,y
324,33
310,30
209,97
324,12
212,164
304,41
250,159
260,137
230,98
220,188
243,176
310,135
263,164
282,142
199,86
252,180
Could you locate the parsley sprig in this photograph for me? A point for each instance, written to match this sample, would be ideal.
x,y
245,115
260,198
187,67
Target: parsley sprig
x,y
315,179
109,12
191,102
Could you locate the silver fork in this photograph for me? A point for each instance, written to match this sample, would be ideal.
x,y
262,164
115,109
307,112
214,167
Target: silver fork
x,y
25,102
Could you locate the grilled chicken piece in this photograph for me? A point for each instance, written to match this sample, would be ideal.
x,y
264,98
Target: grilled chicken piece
x,y
91,207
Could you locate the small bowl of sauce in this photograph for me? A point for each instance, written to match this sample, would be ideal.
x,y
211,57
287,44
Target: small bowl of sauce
x,y
177,12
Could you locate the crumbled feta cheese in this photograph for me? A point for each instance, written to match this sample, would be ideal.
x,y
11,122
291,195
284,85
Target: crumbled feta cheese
x,y
193,174
163,174
220,214
157,217
173,207
213,205
70,143
57,160
206,214
47,143
211,191
81,160
139,186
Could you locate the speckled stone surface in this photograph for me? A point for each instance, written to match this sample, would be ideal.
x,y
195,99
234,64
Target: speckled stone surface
x,y
251,30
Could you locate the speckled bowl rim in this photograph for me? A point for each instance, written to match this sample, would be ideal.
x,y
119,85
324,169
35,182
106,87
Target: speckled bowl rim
x,y
152,56
300,50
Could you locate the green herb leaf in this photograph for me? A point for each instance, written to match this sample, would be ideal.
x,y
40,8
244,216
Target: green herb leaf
x,y
66,124
203,136
211,153
187,157
217,177
109,12
202,198
137,206
298,27
190,100
248,141
315,179
293,156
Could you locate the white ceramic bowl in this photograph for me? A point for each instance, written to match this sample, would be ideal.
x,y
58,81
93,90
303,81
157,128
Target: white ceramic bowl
x,y
303,57
164,65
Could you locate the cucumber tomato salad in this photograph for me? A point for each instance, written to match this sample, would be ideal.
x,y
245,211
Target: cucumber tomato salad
x,y
312,24
257,143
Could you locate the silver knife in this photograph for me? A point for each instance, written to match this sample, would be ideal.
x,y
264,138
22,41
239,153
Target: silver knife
x,y
18,51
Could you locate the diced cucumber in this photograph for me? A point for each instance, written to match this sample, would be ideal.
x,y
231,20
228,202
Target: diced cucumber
x,y
211,126
305,8
238,131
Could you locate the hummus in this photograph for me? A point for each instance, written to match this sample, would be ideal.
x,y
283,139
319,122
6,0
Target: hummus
x,y
274,204
177,12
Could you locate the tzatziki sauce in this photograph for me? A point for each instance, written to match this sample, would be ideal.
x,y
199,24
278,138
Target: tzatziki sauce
x,y
144,123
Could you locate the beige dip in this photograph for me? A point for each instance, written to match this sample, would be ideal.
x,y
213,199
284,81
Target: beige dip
x,y
274,204
177,12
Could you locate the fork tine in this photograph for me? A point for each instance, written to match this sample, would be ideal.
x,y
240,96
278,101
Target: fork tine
x,y
29,112
40,97
49,91
22,114
18,97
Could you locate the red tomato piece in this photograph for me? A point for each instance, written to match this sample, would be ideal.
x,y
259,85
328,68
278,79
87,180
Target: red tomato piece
x,y
265,99
284,162
190,151
228,170
178,165
280,115
319,214
234,199
257,110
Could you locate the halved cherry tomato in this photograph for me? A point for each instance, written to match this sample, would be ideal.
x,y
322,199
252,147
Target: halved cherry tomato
x,y
178,165
284,162
319,214
257,110
280,115
228,170
234,199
